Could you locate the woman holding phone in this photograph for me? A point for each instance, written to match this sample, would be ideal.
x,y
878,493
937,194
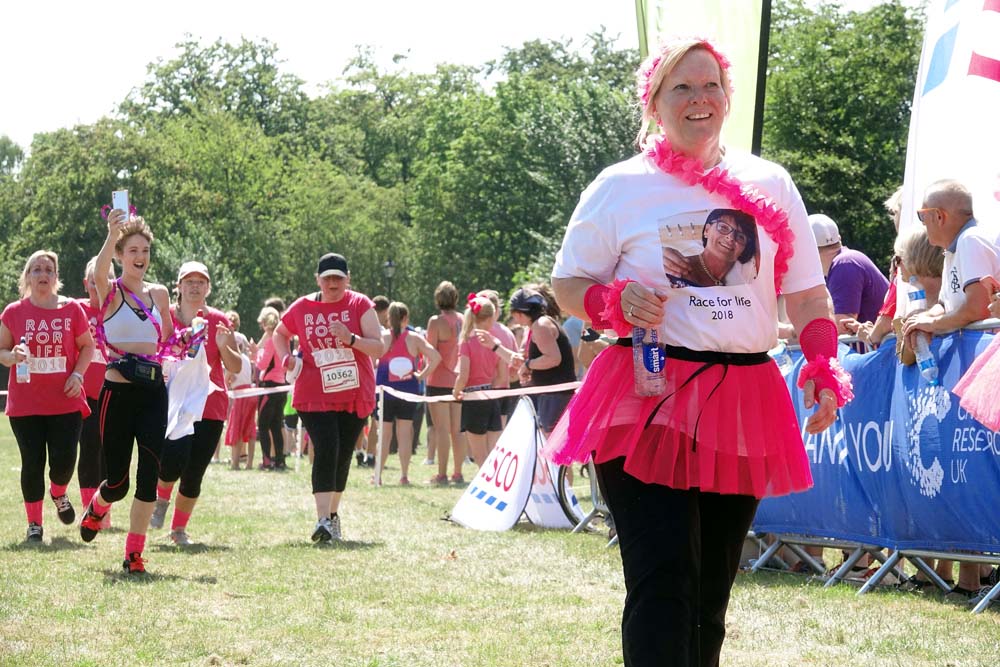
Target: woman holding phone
x,y
45,400
133,402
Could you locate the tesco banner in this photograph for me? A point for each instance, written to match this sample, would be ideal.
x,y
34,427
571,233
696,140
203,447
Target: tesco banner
x,y
903,466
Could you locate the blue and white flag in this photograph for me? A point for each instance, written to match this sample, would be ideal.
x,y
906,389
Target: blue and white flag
x,y
955,121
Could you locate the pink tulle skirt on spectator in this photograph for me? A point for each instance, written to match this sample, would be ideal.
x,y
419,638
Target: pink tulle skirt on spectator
x,y
977,389
242,423
730,430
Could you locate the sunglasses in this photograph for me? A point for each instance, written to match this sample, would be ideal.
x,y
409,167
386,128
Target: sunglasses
x,y
922,211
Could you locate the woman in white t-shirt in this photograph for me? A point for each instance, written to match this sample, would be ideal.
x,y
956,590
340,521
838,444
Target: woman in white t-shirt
x,y
683,470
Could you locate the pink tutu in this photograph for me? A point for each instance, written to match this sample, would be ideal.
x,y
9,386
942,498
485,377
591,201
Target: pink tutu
x,y
747,440
242,423
978,387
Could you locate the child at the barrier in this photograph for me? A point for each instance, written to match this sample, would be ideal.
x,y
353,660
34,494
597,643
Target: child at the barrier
x,y
398,369
241,424
479,368
46,335
270,406
133,402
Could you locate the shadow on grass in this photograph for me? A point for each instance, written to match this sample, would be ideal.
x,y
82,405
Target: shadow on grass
x,y
118,577
190,548
57,544
341,545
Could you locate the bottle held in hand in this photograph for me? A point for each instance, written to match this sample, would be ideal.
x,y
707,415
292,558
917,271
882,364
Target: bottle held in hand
x,y
197,327
917,301
648,362
23,371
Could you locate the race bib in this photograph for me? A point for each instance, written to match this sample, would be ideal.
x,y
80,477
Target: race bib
x,y
99,357
341,377
332,355
45,365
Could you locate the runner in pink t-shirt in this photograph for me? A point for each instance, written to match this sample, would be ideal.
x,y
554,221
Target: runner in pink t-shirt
x,y
49,335
479,368
334,392
187,458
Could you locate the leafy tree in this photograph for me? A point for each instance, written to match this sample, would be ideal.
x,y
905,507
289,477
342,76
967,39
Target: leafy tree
x,y
837,110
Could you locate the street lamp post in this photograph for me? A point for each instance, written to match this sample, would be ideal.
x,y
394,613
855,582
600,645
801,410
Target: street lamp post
x,y
389,270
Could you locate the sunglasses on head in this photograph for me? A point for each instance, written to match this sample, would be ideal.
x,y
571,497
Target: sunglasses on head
x,y
921,212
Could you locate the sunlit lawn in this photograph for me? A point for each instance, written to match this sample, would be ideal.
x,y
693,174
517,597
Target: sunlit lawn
x,y
405,588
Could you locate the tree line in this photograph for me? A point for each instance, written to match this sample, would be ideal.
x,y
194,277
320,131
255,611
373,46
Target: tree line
x,y
464,173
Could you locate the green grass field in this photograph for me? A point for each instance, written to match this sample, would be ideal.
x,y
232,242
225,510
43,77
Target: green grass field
x,y
405,588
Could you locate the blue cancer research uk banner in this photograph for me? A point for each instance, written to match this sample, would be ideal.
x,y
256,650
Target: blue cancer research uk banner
x,y
903,466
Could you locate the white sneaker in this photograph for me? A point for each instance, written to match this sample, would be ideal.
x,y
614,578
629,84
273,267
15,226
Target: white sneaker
x,y
159,513
428,462
180,537
335,527
323,531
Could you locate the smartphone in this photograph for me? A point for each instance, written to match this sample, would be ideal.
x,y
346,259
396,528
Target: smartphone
x,y
119,200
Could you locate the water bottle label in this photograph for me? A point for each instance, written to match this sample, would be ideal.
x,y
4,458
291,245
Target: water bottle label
x,y
926,363
653,358
918,295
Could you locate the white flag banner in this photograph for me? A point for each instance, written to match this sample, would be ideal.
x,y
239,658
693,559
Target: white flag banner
x,y
497,495
954,131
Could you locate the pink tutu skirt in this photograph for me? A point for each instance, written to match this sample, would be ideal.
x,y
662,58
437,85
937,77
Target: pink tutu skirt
x,y
737,436
978,388
242,423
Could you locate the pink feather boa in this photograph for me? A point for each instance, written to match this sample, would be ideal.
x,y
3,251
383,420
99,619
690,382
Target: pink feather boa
x,y
827,373
741,196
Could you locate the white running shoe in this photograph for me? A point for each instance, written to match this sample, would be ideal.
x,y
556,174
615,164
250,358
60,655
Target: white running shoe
x,y
180,537
159,513
323,531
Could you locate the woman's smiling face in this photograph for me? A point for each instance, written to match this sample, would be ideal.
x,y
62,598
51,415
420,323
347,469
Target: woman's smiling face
x,y
134,256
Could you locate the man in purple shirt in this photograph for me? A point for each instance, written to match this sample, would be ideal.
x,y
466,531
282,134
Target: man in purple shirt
x,y
855,283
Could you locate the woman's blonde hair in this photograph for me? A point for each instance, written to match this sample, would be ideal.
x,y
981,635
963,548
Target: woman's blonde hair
x,y
658,65
918,256
23,286
479,311
268,317
137,225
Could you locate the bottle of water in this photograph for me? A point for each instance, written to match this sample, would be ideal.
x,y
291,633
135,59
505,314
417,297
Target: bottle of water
x,y
23,371
197,327
917,299
648,361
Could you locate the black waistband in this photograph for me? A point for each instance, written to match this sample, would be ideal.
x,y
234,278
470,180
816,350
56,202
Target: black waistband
x,y
708,356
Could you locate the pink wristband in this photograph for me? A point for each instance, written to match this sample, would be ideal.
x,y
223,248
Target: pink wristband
x,y
819,346
603,304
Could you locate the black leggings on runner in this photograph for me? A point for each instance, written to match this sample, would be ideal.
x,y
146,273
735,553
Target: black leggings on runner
x,y
332,435
132,413
40,434
187,458
270,415
90,469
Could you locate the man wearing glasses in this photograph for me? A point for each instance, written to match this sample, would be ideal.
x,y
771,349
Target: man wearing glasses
x,y
971,251
856,285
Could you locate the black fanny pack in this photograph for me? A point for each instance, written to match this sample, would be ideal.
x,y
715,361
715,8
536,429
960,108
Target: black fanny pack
x,y
138,370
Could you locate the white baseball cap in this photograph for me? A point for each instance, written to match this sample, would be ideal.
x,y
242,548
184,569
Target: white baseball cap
x,y
187,268
824,229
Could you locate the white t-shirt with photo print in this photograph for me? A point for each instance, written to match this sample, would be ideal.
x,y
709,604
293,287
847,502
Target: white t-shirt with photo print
x,y
633,210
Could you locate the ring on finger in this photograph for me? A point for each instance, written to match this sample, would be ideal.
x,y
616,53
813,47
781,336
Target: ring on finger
x,y
630,309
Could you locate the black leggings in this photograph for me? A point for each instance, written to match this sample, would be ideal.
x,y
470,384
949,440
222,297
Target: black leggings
x,y
270,415
38,434
680,553
187,458
90,470
132,413
332,435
